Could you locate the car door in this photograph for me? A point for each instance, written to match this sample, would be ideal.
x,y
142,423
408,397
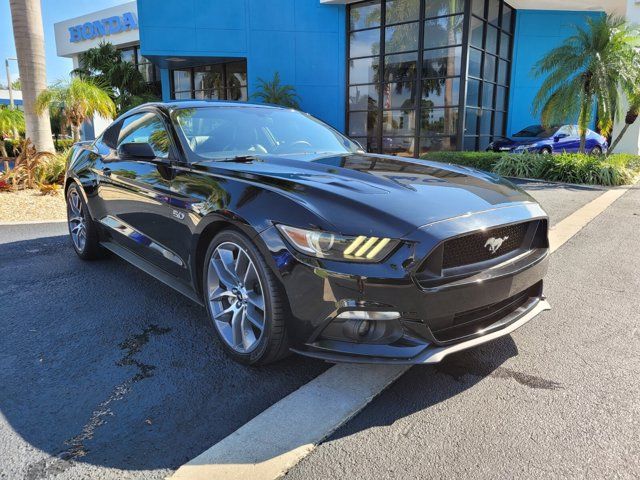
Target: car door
x,y
567,139
135,192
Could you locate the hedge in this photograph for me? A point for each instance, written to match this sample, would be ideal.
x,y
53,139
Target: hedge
x,y
616,169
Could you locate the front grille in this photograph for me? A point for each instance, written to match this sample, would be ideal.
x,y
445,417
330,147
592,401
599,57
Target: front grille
x,y
469,322
476,247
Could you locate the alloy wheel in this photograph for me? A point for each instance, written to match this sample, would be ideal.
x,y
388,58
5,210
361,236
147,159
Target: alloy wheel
x,y
236,297
77,220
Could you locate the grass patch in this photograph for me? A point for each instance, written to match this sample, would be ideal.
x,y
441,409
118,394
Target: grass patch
x,y
616,169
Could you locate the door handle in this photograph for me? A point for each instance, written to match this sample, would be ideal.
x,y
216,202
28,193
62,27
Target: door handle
x,y
106,172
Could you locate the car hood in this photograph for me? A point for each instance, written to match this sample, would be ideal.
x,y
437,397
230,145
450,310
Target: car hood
x,y
375,194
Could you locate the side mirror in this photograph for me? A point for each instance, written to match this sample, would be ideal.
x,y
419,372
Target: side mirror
x,y
560,136
136,150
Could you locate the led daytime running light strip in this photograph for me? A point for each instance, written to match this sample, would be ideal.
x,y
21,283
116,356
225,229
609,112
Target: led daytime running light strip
x,y
361,245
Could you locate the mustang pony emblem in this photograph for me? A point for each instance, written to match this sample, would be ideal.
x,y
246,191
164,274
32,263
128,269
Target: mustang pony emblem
x,y
493,244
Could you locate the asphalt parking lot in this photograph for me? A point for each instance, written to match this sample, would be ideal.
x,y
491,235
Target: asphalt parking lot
x,y
106,373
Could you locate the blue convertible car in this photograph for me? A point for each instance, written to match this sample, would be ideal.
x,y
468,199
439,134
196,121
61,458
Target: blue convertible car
x,y
548,140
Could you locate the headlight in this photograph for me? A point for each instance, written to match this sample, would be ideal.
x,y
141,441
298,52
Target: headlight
x,y
338,247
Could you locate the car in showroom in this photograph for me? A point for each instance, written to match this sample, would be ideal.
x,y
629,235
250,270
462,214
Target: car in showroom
x,y
549,140
296,240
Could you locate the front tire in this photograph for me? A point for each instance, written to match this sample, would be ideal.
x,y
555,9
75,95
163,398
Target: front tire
x,y
597,150
82,230
545,151
244,300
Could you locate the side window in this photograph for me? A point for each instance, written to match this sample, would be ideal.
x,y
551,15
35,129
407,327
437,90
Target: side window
x,y
145,128
566,130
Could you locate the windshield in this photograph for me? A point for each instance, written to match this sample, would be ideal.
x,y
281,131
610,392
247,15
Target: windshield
x,y
536,131
225,132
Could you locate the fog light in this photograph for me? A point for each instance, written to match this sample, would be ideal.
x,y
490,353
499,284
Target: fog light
x,y
368,315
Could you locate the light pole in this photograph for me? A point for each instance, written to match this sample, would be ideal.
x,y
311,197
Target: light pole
x,y
6,64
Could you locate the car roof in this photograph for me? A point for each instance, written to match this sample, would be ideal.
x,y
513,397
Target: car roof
x,y
178,104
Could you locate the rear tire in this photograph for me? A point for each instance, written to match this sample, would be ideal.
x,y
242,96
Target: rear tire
x,y
82,229
245,302
545,151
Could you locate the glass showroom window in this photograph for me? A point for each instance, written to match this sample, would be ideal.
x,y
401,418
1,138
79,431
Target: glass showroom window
x,y
221,81
490,45
406,73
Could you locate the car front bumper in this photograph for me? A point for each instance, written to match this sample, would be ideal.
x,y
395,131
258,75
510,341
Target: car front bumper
x,y
433,319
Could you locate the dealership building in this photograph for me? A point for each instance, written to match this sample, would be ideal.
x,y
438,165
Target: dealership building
x,y
400,76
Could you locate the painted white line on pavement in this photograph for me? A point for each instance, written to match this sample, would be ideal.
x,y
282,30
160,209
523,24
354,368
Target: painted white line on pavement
x,y
270,444
567,228
30,222
285,433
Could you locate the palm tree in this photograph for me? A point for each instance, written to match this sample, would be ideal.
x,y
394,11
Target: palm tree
x,y
586,73
629,119
125,83
29,40
77,100
275,92
11,122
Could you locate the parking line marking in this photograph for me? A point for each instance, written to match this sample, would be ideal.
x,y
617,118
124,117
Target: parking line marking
x,y
270,444
567,228
278,438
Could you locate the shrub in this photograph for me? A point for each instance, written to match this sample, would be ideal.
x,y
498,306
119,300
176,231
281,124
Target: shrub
x,y
51,169
63,144
481,160
617,169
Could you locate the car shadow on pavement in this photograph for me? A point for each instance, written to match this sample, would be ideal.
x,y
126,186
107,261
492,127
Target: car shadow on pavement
x,y
100,364
424,387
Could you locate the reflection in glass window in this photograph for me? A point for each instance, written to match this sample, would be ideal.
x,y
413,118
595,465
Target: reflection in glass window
x,y
145,128
224,81
440,92
473,92
181,80
441,32
402,11
362,123
400,67
439,121
393,110
363,97
401,38
439,8
365,15
441,62
363,70
364,43
399,122
399,95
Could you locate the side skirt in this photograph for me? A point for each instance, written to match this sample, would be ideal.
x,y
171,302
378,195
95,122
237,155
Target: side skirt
x,y
152,270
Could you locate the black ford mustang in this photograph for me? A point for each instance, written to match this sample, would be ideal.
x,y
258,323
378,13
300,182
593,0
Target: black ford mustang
x,y
294,239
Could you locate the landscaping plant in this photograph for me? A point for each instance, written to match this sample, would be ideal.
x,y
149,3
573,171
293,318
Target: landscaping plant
x,y
11,124
77,100
586,74
617,169
276,93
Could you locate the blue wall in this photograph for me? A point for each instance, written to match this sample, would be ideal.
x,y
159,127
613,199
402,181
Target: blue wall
x,y
302,39
537,32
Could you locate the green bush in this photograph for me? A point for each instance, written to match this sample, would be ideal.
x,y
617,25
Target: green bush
x,y
481,160
63,144
617,169
9,144
51,170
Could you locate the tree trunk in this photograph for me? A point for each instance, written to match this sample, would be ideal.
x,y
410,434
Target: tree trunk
x,y
29,40
3,149
619,137
583,141
75,130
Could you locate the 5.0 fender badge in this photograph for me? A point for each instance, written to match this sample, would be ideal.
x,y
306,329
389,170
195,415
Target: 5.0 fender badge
x,y
177,214
493,244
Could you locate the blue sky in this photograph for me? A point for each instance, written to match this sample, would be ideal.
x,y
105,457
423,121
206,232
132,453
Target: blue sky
x,y
52,11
